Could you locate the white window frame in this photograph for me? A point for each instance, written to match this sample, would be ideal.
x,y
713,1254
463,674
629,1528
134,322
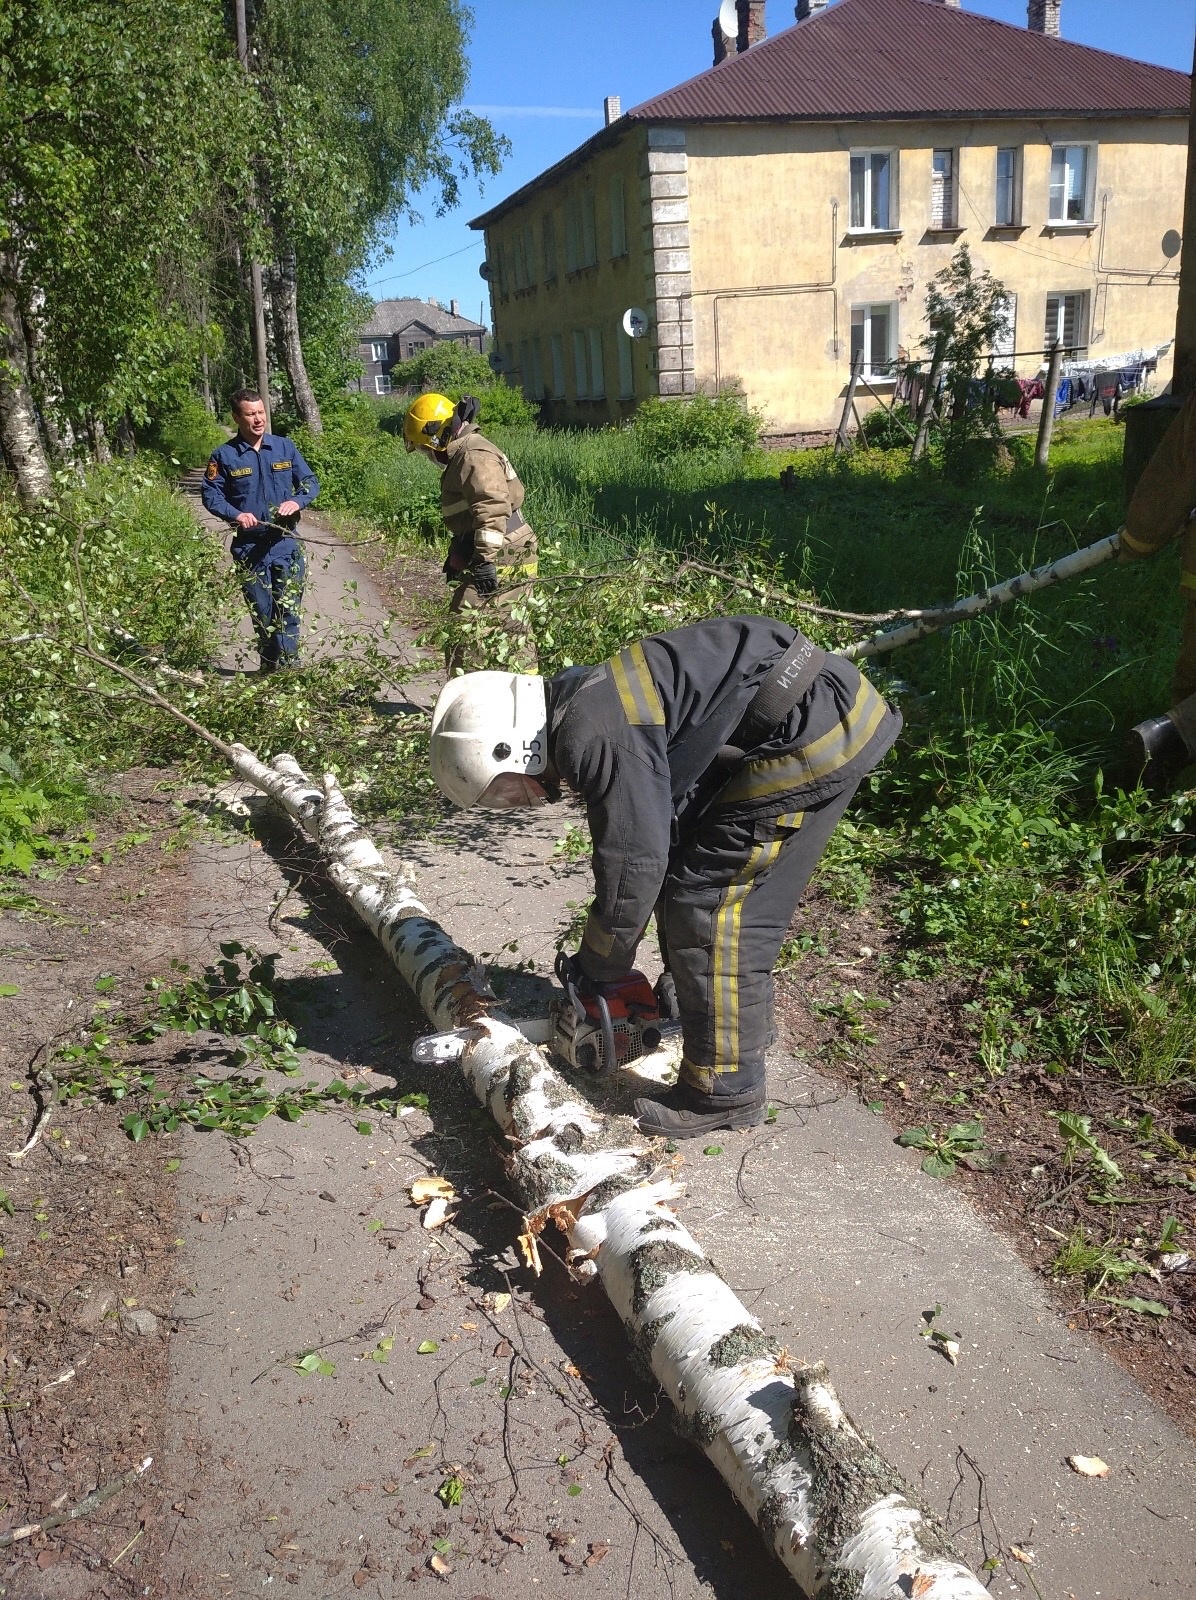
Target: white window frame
x,y
867,157
581,389
378,350
1058,193
874,367
949,218
626,365
556,347
1080,318
1014,219
382,383
548,245
618,217
597,366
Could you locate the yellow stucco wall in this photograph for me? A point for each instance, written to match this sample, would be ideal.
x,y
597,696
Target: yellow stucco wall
x,y
776,269
589,301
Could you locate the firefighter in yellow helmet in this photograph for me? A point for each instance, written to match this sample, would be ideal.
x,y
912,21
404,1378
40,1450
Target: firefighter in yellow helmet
x,y
481,499
1162,509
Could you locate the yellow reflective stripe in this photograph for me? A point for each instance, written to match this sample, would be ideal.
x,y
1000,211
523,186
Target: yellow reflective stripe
x,y
726,955
1136,544
791,819
599,940
450,508
641,701
796,768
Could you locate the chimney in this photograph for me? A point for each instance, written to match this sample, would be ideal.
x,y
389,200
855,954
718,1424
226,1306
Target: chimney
x,y
612,109
455,307
809,8
751,23
1042,16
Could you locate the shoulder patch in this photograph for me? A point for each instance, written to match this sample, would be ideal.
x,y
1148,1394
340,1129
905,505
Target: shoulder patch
x,y
213,469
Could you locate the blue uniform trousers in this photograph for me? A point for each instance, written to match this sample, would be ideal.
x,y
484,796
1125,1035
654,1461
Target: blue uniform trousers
x,y
272,575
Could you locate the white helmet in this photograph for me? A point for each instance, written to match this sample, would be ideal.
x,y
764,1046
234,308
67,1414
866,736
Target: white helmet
x,y
490,726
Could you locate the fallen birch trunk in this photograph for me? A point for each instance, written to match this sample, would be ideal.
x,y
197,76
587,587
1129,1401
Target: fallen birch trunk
x,y
840,1518
975,605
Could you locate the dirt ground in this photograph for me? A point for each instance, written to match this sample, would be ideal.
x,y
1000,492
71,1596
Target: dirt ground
x,y
908,1049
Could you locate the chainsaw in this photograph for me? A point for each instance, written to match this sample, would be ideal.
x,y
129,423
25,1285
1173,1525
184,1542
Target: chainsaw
x,y
602,1032
596,1033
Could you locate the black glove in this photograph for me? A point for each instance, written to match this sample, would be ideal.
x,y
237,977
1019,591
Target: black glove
x,y
484,578
467,409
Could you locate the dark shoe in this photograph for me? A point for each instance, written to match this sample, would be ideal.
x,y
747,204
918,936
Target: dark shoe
x,y
684,1114
1157,752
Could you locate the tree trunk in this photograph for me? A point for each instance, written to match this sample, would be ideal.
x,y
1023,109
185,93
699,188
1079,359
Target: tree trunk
x,y
837,1515
18,416
286,313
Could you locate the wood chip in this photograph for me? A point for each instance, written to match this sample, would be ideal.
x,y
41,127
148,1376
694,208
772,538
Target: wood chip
x,y
1089,1466
431,1188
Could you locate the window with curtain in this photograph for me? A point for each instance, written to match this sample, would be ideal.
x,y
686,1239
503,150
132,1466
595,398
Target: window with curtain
x,y
1007,212
942,189
1067,320
580,387
872,190
873,330
597,376
556,349
1072,188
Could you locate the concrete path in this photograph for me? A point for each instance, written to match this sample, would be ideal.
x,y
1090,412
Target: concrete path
x,y
566,1471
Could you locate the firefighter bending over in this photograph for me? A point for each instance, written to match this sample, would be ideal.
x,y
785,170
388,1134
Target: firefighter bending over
x,y
714,763
1161,510
480,499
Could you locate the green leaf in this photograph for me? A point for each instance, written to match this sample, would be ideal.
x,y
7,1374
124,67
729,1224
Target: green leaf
x,y
374,1224
103,985
136,1127
7,990
713,1150
575,1489
365,1127
173,1164
451,1490
938,1165
476,1383
429,1347
1146,1308
915,1139
308,1363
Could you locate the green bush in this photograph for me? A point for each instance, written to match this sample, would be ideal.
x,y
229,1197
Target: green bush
x,y
882,429
446,368
703,424
187,434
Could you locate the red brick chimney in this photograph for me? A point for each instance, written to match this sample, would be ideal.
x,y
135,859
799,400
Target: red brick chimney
x,y
751,23
1042,16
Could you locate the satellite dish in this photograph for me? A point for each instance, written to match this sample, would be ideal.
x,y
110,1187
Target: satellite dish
x,y
496,360
635,322
484,271
728,19
1172,244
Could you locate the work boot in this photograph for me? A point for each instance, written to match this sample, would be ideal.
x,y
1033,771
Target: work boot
x,y
682,1113
1157,752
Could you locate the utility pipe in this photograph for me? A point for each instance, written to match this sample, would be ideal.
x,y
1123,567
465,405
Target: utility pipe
x,y
840,1518
975,605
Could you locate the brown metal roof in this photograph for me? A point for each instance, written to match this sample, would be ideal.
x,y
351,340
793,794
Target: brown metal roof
x,y
884,59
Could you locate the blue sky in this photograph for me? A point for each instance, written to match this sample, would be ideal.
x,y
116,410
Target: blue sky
x,y
539,70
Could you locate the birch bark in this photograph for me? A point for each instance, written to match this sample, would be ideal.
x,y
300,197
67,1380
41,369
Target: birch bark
x,y
18,416
286,310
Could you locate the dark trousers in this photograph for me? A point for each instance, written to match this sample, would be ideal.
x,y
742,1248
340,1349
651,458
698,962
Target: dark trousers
x,y
727,902
272,582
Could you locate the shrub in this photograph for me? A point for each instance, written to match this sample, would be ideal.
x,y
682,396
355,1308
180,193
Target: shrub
x,y
882,431
445,368
187,434
704,424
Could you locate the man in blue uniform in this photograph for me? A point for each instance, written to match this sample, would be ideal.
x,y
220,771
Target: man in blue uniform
x,y
259,483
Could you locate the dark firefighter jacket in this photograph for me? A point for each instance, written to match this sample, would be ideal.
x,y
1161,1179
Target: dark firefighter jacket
x,y
1165,496
240,478
638,737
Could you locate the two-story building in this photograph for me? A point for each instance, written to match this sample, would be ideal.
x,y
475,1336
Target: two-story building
x,y
787,209
400,329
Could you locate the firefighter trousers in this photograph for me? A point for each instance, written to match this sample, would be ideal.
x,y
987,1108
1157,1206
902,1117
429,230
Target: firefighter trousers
x,y
722,916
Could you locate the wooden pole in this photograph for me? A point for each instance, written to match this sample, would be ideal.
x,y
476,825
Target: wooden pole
x,y
261,357
842,437
1046,422
926,405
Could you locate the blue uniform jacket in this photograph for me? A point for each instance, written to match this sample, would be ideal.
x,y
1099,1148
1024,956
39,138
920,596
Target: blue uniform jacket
x,y
240,478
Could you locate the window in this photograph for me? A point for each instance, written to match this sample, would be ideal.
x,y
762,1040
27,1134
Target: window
x,y
518,266
942,189
1073,171
872,337
537,371
529,256
557,352
1007,212
597,378
871,190
589,231
618,217
382,383
1004,340
626,368
579,365
548,246
572,237
1067,320
378,351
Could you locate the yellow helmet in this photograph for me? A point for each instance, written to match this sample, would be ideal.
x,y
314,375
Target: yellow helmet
x,y
427,421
